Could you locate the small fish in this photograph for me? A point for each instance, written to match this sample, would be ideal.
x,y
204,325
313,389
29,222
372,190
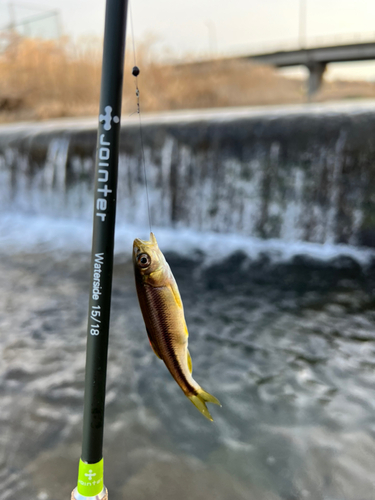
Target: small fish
x,y
163,314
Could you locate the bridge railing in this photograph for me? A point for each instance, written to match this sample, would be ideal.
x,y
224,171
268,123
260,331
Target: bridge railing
x,y
290,44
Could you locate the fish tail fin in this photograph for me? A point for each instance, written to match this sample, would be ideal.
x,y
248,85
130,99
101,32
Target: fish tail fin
x,y
200,399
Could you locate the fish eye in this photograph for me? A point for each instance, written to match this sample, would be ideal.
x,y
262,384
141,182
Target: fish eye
x,y
144,260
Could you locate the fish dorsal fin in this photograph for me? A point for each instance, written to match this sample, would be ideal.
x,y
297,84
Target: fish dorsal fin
x,y
189,362
153,239
153,345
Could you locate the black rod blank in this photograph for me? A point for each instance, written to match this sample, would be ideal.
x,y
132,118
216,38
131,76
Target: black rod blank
x,y
106,168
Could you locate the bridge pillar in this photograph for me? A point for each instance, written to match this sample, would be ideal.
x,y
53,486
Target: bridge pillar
x,y
316,71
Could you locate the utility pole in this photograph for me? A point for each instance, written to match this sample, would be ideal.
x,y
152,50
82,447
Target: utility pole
x,y
212,38
302,23
12,17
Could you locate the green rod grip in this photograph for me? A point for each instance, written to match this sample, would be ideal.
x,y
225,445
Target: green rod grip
x,y
90,479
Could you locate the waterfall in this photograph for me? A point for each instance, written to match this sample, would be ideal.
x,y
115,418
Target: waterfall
x,y
298,175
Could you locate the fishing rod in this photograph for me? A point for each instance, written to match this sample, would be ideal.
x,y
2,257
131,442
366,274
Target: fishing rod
x,y
90,482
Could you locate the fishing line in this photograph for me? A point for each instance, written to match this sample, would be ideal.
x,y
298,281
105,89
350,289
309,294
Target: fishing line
x,y
135,73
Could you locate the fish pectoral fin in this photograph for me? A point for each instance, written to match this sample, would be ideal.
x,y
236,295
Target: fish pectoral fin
x,y
176,293
199,400
189,361
153,345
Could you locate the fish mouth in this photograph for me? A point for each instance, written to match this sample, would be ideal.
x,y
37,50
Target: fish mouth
x,y
140,246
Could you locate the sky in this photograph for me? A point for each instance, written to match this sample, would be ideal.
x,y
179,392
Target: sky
x,y
199,28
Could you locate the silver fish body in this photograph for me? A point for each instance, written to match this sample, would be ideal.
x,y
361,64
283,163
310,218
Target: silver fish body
x,y
164,318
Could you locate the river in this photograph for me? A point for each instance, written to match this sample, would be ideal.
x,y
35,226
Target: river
x,y
281,331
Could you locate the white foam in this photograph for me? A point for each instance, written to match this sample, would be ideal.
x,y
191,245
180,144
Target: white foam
x,y
21,233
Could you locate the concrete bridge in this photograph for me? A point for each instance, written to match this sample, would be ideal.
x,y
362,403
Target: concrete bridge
x,y
316,59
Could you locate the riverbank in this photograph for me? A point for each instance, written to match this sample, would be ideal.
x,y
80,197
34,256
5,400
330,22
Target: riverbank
x,y
50,79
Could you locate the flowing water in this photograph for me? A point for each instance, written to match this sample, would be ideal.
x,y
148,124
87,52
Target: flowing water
x,y
281,331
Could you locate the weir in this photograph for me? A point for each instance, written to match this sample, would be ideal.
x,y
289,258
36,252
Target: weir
x,y
292,173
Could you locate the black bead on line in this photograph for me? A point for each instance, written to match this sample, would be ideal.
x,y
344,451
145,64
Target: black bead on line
x,y
135,71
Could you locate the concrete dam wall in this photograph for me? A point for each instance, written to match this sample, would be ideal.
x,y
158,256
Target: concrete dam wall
x,y
296,174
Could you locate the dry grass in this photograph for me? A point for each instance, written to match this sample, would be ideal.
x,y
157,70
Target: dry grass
x,y
46,79
217,84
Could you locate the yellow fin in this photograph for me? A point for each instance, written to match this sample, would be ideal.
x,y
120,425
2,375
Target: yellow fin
x,y
176,292
189,362
153,345
153,239
200,401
